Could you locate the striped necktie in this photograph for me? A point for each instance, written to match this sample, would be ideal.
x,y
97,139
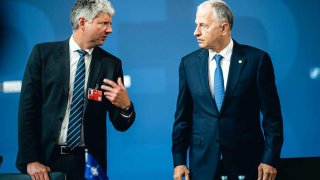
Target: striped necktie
x,y
218,82
77,103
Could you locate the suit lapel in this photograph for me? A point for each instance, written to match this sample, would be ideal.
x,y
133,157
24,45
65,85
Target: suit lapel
x,y
63,62
236,66
202,63
95,70
65,66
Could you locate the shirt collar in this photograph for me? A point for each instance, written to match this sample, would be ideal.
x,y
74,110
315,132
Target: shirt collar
x,y
226,52
74,46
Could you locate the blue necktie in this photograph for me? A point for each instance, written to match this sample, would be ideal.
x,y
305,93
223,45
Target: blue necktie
x,y
218,82
77,103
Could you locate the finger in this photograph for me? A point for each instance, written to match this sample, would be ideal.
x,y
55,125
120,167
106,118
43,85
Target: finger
x,y
179,177
111,98
260,173
33,177
36,176
120,82
187,176
111,83
107,88
109,95
46,176
265,176
42,175
273,176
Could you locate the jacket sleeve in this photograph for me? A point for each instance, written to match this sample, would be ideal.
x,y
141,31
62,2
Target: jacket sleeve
x,y
272,118
183,119
29,115
120,122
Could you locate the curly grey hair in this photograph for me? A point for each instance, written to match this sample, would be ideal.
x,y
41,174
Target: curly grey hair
x,y
89,9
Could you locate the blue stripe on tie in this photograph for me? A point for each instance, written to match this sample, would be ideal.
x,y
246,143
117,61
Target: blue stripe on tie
x,y
77,103
218,82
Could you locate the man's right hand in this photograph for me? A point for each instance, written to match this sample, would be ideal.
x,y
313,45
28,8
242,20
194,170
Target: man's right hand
x,y
38,171
181,171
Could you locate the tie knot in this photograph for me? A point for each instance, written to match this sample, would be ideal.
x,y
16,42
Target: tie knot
x,y
218,58
81,52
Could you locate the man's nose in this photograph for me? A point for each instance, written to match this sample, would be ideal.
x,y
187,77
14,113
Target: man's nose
x,y
109,29
196,32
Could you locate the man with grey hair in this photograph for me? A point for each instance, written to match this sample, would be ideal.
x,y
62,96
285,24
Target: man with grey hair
x,y
67,90
223,88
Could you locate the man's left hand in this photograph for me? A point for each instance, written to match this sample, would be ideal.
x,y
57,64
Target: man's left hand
x,y
266,172
116,93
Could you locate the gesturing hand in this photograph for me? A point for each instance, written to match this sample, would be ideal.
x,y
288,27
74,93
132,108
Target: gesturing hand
x,y
116,93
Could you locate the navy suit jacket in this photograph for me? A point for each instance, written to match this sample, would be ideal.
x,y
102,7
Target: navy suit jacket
x,y
43,102
235,131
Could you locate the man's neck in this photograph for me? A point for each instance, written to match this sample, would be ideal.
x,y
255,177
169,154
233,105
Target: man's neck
x,y
223,44
78,38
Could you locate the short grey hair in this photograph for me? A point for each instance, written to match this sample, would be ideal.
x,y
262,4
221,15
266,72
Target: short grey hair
x,y
221,10
89,9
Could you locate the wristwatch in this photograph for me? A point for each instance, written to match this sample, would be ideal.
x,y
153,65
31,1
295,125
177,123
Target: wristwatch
x,y
127,110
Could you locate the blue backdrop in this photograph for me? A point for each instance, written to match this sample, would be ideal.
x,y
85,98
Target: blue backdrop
x,y
150,36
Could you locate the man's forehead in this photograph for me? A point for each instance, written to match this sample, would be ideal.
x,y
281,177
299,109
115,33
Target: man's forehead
x,y
204,16
204,11
104,16
204,8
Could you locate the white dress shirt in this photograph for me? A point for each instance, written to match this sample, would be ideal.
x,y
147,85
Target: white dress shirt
x,y
74,58
225,65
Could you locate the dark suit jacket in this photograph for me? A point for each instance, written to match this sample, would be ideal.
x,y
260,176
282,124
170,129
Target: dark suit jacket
x,y
235,131
43,102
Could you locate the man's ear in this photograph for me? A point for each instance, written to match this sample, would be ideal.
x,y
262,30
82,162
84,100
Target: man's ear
x,y
225,27
81,23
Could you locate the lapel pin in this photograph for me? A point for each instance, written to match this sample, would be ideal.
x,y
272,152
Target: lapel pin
x,y
240,61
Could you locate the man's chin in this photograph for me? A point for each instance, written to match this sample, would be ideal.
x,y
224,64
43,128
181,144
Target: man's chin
x,y
201,46
98,43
